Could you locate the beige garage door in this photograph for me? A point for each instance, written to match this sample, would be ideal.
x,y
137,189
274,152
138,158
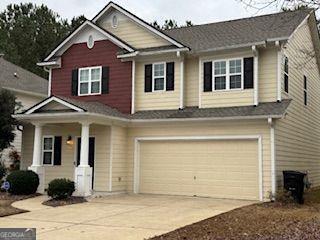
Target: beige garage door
x,y
222,169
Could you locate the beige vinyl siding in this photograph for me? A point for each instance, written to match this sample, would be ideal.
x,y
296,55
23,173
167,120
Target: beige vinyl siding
x,y
206,168
66,170
156,100
218,128
268,64
119,158
298,134
131,32
191,82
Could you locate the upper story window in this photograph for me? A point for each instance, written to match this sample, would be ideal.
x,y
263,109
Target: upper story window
x,y
90,81
286,74
90,42
114,21
48,150
305,91
158,77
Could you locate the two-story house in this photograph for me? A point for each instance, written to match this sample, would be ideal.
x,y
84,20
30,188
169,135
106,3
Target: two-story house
x,y
214,110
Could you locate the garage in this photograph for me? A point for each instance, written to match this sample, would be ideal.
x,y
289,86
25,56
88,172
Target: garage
x,y
227,168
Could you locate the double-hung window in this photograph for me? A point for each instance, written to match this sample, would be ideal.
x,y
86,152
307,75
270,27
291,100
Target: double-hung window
x,y
159,76
48,150
228,74
90,81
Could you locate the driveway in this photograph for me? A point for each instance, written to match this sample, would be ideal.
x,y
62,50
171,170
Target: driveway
x,y
117,217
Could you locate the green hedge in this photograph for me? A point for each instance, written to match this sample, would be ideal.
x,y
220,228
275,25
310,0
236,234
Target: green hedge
x,y
23,182
61,188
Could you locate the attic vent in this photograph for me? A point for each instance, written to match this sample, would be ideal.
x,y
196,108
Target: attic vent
x,y
90,42
114,21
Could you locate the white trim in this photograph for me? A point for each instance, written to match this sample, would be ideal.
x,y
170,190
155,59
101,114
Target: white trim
x,y
89,82
273,157
279,75
43,150
49,100
164,76
44,64
110,158
133,91
25,92
200,82
49,82
256,78
182,84
157,52
109,36
137,140
137,20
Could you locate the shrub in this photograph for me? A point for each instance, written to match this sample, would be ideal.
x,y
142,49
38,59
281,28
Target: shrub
x,y
61,188
3,171
23,182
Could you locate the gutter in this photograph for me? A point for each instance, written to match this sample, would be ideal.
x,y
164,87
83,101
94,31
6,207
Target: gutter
x,y
138,53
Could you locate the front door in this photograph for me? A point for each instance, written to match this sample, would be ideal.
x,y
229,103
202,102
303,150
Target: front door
x,y
91,154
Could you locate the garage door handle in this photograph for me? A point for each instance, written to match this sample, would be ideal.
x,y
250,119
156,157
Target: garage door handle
x,y
194,177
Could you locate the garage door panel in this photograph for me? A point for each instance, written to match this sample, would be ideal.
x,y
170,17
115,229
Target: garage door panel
x,y
215,168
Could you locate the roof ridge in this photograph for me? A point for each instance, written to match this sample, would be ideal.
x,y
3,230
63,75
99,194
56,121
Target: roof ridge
x,y
240,19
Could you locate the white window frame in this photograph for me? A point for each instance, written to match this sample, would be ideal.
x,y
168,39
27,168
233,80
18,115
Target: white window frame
x,y
52,150
89,81
164,77
227,75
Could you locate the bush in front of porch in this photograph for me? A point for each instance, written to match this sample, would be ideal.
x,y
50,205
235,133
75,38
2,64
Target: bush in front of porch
x,y
23,182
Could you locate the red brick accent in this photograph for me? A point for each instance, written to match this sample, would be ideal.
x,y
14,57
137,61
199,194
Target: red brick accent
x,y
104,53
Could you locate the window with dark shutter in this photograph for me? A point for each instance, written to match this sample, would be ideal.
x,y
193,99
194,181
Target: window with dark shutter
x,y
105,80
248,73
57,150
148,78
207,77
74,84
170,76
286,75
305,91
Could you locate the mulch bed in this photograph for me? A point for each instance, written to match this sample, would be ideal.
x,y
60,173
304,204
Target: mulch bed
x,y
64,202
6,200
266,221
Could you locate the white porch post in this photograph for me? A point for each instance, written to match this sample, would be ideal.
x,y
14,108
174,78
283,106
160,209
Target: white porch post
x,y
83,173
37,166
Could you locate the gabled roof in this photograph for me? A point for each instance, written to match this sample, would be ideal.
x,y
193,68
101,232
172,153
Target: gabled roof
x,y
241,32
13,77
112,5
109,35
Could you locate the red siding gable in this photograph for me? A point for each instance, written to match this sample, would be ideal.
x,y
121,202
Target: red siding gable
x,y
104,53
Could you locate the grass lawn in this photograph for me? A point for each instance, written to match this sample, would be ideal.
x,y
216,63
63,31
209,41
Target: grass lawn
x,y
265,221
5,204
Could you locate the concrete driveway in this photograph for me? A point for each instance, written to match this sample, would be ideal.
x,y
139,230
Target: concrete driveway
x,y
117,217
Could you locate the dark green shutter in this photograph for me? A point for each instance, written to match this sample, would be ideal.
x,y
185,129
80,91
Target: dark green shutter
x,y
248,73
207,77
105,80
148,78
170,76
74,84
57,150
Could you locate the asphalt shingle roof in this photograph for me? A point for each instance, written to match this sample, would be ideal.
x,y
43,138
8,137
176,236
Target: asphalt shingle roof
x,y
239,32
23,80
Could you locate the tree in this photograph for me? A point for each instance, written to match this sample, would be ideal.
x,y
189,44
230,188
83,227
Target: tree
x,y
29,32
8,107
170,24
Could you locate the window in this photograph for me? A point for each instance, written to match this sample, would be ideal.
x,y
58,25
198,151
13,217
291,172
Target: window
x,y
305,91
228,74
286,75
47,150
89,81
220,75
90,42
114,21
159,70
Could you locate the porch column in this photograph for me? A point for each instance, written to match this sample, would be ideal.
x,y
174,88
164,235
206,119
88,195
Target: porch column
x,y
37,166
83,173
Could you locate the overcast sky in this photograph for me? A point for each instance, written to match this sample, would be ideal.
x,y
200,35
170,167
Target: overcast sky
x,y
198,11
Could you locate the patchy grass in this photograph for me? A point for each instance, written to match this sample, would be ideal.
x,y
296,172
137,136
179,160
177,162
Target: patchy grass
x,y
64,202
265,221
5,204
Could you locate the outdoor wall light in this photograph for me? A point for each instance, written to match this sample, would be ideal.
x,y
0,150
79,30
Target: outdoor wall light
x,y
70,141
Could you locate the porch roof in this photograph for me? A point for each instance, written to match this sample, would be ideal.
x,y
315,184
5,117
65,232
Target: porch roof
x,y
75,108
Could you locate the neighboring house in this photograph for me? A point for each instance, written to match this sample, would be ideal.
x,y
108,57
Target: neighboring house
x,y
214,110
28,88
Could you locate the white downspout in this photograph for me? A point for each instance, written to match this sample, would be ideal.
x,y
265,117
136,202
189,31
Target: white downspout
x,y
273,157
255,76
133,78
181,83
279,75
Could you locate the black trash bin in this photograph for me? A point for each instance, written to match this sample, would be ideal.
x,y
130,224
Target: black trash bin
x,y
294,182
